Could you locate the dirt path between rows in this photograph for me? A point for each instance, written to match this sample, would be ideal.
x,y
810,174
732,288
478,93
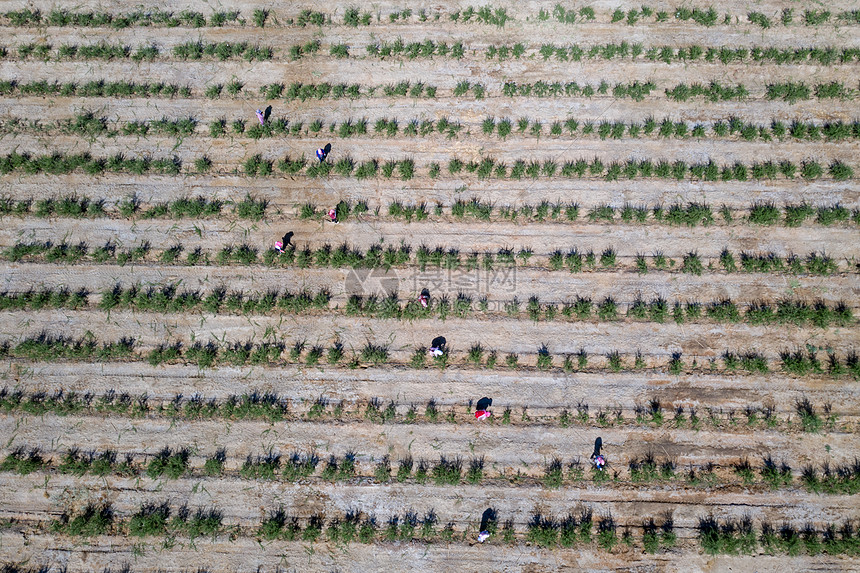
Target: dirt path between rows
x,y
657,342
460,504
288,192
475,37
247,555
505,449
543,238
453,387
595,109
516,11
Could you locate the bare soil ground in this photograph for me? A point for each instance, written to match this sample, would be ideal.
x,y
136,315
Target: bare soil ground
x,y
515,451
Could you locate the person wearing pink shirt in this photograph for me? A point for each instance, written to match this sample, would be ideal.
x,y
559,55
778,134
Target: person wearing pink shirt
x,y
482,409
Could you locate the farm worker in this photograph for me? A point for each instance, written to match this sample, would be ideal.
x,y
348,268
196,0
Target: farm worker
x,y
482,409
599,460
489,516
424,298
332,215
261,117
279,246
437,346
323,152
598,443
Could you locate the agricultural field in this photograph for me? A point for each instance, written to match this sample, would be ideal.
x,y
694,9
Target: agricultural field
x,y
636,221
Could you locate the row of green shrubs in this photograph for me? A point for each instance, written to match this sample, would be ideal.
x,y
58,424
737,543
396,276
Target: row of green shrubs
x,y
269,406
345,256
739,537
810,17
426,49
137,18
93,88
130,207
448,470
168,298
821,56
60,164
186,18
704,17
504,127
691,214
790,91
221,51
255,405
841,480
166,463
150,520
81,206
830,131
87,124
489,167
715,536
800,362
353,18
100,51
46,347
405,169
302,91
635,90
793,92
792,56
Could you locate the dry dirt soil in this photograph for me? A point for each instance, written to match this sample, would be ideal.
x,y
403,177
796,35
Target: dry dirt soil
x,y
702,419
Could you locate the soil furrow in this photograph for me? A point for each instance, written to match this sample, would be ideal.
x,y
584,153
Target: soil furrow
x,y
646,32
247,553
601,390
655,341
287,192
839,243
596,109
226,154
461,504
198,75
503,448
515,389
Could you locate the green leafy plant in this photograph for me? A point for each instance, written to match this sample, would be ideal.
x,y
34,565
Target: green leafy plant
x,y
93,520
